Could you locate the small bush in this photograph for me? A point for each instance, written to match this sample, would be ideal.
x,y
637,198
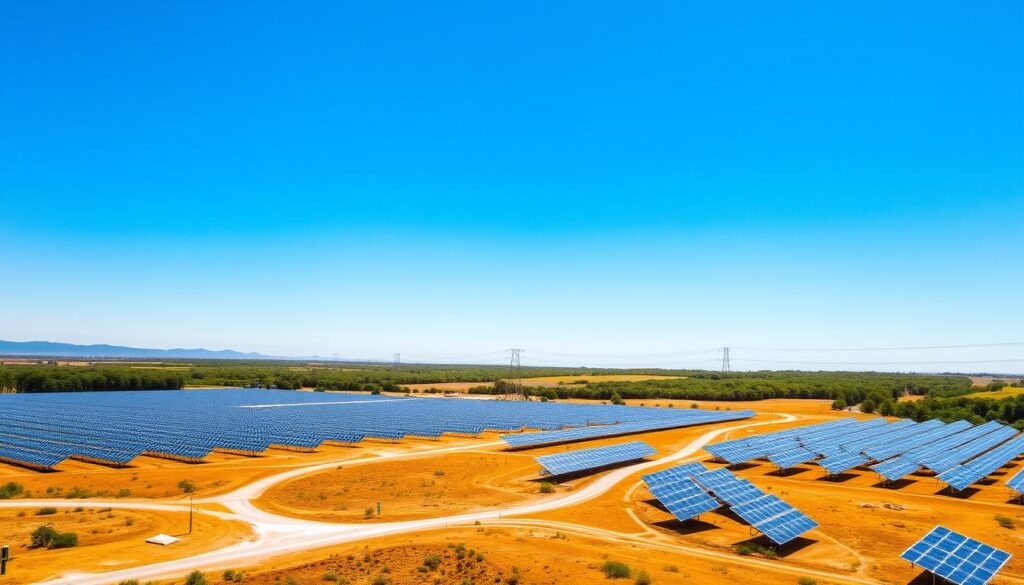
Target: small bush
x,y
547,488
615,570
672,568
432,561
368,512
380,579
642,578
330,576
11,490
195,577
124,493
64,540
1006,522
48,511
43,536
229,575
129,582
806,581
188,487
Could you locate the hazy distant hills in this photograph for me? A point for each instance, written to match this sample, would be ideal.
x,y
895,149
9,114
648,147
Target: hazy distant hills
x,y
53,349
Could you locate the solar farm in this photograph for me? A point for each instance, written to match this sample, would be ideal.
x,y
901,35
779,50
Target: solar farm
x,y
841,498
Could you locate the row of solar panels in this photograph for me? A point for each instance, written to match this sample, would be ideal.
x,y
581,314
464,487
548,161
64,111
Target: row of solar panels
x,y
961,454
594,458
676,419
41,430
691,489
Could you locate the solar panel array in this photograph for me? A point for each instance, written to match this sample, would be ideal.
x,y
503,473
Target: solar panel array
x,y
583,459
960,452
43,430
687,490
955,557
962,476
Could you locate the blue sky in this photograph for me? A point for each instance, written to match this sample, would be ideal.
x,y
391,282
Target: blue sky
x,y
610,181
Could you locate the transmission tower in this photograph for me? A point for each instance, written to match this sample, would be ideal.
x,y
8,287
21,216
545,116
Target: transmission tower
x,y
398,363
514,382
725,360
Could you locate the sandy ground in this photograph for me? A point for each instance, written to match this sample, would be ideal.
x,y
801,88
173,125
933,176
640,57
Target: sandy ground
x,y
108,539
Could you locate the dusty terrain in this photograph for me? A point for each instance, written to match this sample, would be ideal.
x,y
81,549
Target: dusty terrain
x,y
107,538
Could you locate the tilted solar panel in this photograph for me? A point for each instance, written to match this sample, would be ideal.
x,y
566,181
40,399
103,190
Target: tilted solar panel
x,y
684,498
671,474
774,518
896,468
842,462
583,459
955,557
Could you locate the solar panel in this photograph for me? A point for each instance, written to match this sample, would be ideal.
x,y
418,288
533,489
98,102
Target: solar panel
x,y
583,459
842,462
896,468
1016,482
792,457
671,474
684,498
727,487
955,557
774,518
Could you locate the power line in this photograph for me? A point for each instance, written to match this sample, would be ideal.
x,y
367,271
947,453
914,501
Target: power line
x,y
905,348
882,363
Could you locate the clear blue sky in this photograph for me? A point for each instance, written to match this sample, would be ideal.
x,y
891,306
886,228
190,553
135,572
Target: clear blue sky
x,y
456,178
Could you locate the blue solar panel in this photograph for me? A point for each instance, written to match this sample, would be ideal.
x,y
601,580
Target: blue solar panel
x,y
955,557
583,459
1016,482
684,498
774,518
896,468
842,462
791,457
671,474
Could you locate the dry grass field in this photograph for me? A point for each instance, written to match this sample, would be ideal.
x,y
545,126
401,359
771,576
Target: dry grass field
x,y
863,525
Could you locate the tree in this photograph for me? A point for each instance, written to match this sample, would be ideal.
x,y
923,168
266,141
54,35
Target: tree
x,y
839,404
616,398
868,406
195,578
43,536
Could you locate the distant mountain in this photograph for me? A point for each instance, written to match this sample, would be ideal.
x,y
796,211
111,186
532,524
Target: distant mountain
x,y
53,349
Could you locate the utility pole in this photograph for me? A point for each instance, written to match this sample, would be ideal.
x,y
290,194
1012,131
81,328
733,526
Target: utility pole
x,y
725,360
190,509
515,390
5,555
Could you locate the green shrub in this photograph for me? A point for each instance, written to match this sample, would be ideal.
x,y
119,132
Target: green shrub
x,y
642,578
615,570
64,540
432,561
11,490
547,487
330,576
48,511
229,575
188,487
43,536
195,577
806,581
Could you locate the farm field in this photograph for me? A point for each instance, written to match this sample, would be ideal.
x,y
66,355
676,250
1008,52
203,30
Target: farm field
x,y
479,511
